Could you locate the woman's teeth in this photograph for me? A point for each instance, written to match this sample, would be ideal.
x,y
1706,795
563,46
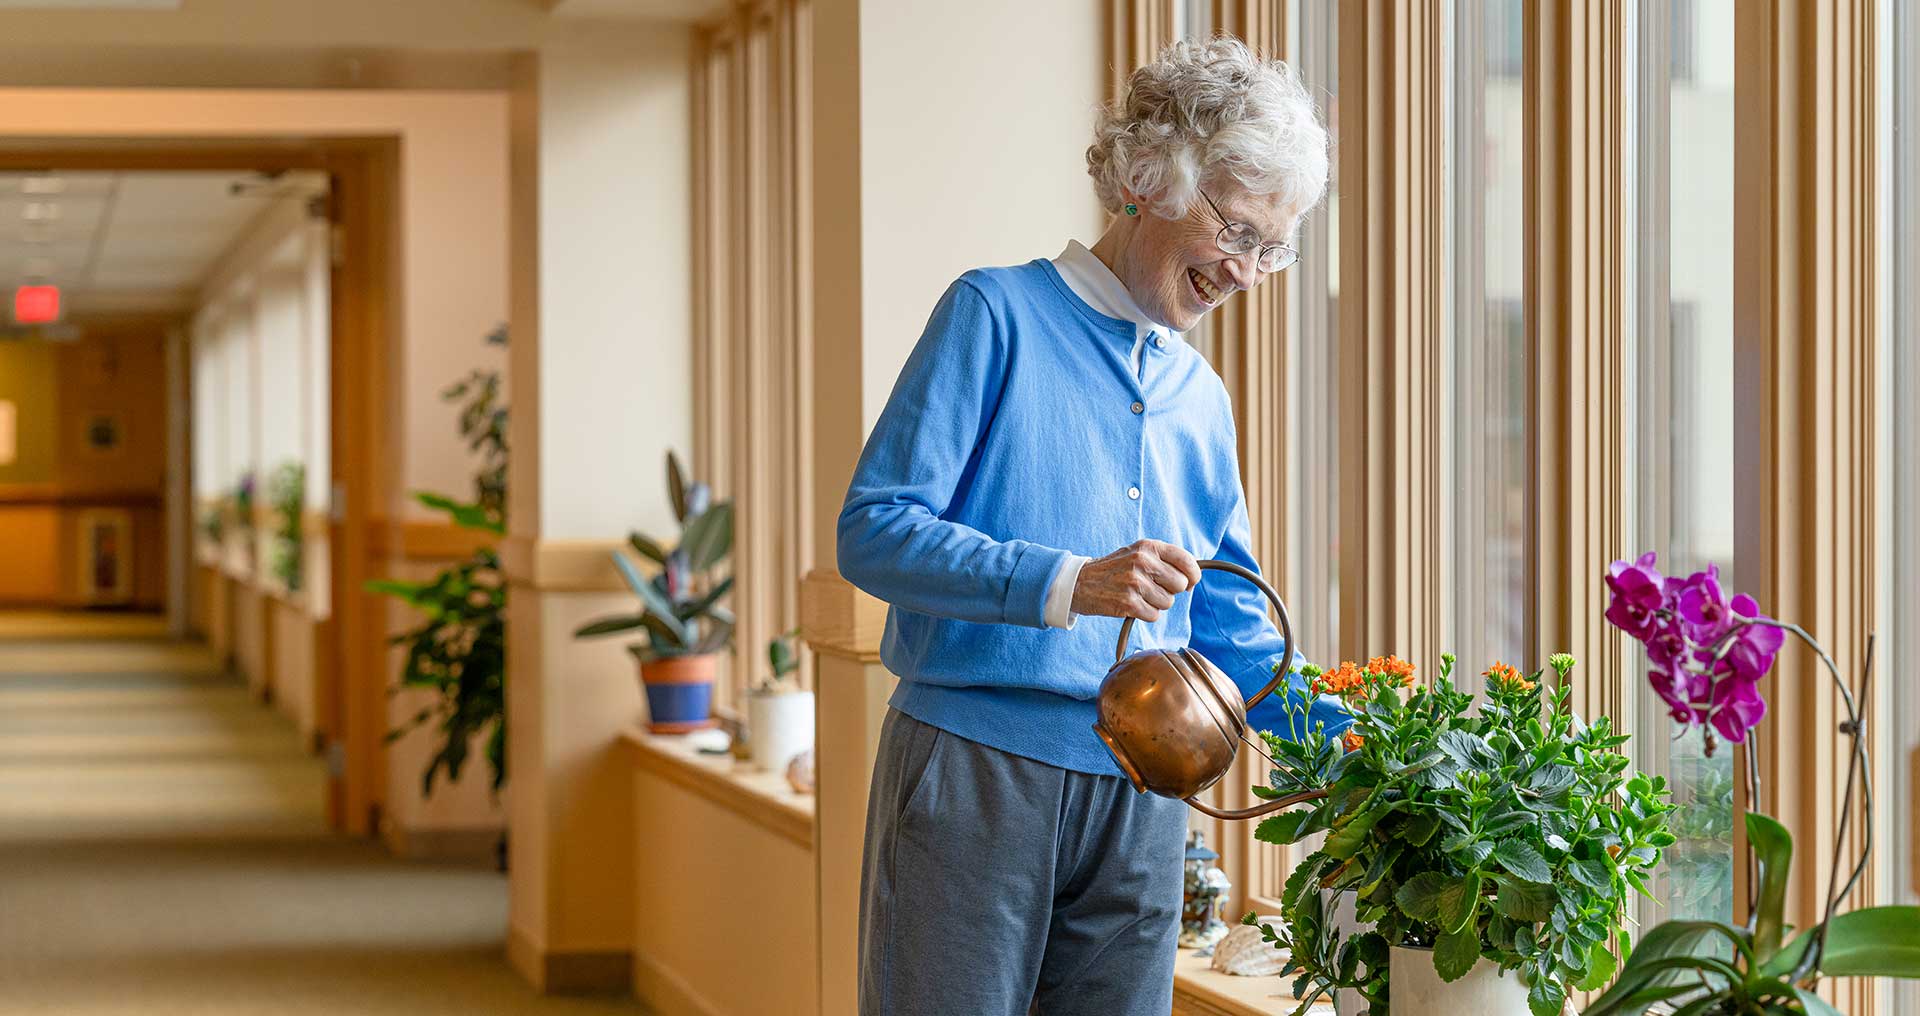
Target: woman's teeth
x,y
1209,293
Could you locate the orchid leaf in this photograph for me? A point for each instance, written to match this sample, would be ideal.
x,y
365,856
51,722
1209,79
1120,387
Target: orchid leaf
x,y
1772,844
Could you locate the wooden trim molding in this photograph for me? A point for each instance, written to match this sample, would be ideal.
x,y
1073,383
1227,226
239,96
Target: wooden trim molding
x,y
759,797
425,540
1805,413
1392,255
838,619
553,972
67,496
1577,403
566,566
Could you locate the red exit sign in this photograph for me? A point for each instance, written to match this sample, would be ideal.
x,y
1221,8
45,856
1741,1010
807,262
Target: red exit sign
x,y
36,305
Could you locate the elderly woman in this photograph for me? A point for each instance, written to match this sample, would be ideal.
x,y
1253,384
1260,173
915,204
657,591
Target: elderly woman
x,y
1053,459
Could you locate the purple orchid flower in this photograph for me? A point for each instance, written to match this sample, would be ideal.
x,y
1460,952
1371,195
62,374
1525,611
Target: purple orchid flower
x,y
1756,645
1685,626
1638,592
1702,605
1685,694
1737,708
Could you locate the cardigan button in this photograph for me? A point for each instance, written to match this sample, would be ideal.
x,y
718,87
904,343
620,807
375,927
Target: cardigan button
x,y
1139,407
1133,493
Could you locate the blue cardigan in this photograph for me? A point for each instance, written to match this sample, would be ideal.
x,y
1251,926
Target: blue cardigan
x,y
1017,436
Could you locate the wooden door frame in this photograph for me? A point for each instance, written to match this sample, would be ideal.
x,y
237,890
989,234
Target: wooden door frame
x,y
364,316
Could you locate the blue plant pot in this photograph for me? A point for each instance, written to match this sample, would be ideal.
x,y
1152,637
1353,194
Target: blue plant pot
x,y
679,693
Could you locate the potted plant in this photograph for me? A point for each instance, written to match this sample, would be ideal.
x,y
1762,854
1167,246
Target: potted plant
x,y
287,494
213,522
686,628
457,652
1487,855
779,712
1709,653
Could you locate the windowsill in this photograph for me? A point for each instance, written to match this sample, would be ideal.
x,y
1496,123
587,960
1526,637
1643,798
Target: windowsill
x,y
1199,990
758,796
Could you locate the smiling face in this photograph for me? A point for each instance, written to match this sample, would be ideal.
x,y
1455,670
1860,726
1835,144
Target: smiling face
x,y
1174,268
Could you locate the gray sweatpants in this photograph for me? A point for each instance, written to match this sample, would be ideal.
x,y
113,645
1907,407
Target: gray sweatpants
x,y
995,885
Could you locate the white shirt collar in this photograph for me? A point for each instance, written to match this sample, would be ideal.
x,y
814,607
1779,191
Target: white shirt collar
x,y
1091,280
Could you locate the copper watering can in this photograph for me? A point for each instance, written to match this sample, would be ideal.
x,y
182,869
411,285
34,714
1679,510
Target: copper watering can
x,y
1174,721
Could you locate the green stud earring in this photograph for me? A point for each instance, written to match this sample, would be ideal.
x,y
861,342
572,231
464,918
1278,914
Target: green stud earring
x,y
1133,209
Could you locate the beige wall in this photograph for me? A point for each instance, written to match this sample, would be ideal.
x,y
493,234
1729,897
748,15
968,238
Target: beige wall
x,y
947,137
600,322
974,125
615,369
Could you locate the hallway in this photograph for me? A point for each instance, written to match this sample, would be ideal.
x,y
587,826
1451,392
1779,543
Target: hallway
x,y
163,850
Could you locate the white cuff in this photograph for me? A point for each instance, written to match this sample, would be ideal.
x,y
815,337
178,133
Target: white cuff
x,y
1059,608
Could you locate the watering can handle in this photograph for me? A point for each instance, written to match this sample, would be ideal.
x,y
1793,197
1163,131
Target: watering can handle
x,y
1280,608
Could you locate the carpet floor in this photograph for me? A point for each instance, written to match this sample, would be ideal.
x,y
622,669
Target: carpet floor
x,y
163,850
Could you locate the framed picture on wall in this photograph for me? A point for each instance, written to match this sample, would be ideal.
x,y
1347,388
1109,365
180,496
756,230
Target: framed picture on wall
x,y
106,556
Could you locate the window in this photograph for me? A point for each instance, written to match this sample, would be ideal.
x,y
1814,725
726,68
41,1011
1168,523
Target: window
x,y
1900,231
1313,350
1680,205
1487,341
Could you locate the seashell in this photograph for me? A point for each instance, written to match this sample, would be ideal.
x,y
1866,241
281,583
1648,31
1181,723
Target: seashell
x,y
1245,952
800,775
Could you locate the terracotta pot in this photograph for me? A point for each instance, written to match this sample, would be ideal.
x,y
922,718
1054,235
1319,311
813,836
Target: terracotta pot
x,y
679,692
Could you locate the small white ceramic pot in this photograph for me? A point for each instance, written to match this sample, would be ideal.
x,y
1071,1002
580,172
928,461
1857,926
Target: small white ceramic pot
x,y
781,726
1417,990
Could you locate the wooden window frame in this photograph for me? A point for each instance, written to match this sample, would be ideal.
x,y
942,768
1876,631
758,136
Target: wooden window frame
x,y
752,311
1805,197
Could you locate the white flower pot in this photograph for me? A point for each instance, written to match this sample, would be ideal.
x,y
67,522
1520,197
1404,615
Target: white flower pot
x,y
1340,916
1417,990
781,726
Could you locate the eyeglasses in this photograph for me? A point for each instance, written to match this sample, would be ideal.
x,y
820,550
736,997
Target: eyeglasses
x,y
1239,238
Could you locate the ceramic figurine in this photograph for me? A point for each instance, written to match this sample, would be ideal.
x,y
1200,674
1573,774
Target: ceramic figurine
x,y
1206,886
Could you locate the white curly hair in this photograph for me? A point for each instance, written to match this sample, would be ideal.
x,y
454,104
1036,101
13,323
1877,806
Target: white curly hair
x,y
1203,109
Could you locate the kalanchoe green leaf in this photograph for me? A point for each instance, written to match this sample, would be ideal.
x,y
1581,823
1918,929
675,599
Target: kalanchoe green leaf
x,y
1525,901
1459,901
1520,858
1455,953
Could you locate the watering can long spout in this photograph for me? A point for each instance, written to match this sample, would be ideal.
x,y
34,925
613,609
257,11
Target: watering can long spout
x,y
1174,721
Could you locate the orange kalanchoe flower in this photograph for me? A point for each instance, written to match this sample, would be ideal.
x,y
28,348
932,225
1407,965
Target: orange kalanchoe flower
x,y
1346,679
1392,666
1352,740
1507,677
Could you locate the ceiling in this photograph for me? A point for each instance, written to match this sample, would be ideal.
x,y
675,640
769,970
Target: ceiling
x,y
128,243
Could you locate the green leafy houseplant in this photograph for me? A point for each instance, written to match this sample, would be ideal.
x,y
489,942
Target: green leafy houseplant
x,y
680,613
783,662
1514,834
287,496
243,503
458,650
213,521
684,625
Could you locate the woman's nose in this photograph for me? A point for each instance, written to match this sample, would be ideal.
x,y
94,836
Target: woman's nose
x,y
1242,270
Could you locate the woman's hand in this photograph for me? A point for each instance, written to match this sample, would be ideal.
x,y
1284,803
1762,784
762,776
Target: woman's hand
x,y
1138,581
